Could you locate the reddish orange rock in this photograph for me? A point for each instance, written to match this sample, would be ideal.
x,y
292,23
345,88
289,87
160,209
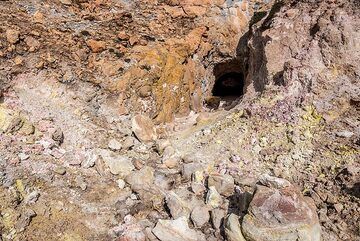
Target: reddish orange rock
x,y
96,46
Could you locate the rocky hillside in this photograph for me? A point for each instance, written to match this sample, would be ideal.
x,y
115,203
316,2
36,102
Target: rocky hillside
x,y
179,120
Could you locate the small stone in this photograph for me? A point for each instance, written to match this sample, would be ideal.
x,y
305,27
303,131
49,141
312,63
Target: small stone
x,y
145,91
171,162
169,152
32,43
273,182
142,183
19,60
189,168
12,36
232,228
177,205
120,165
90,160
121,183
68,77
129,142
27,128
223,183
213,102
32,197
66,2
198,188
96,46
80,182
144,128
345,134
133,40
138,164
58,136
38,17
23,156
338,207
114,145
60,170
25,220
198,177
161,145
213,198
123,36
200,216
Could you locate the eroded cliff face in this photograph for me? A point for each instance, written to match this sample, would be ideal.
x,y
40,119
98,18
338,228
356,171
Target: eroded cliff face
x,y
156,57
154,120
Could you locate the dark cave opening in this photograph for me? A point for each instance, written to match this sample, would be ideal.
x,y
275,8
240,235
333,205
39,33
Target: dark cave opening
x,y
230,85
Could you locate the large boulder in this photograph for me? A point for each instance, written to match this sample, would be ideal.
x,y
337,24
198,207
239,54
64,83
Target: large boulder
x,y
279,212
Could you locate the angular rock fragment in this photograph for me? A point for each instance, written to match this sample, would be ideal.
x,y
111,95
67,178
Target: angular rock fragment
x,y
58,136
181,202
118,165
200,215
233,229
176,230
279,212
114,145
96,46
25,220
12,36
142,182
144,128
224,184
217,216
213,198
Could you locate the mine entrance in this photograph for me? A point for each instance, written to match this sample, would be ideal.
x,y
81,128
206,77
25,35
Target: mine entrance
x,y
229,86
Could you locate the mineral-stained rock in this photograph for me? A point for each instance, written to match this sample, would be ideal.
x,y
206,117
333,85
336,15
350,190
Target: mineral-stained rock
x,y
96,46
233,229
144,128
9,121
279,212
213,198
176,230
224,184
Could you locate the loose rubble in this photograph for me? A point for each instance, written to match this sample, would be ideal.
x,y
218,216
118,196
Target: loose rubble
x,y
179,120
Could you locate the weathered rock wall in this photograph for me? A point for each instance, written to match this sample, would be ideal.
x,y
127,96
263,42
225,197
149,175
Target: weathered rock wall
x,y
155,57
